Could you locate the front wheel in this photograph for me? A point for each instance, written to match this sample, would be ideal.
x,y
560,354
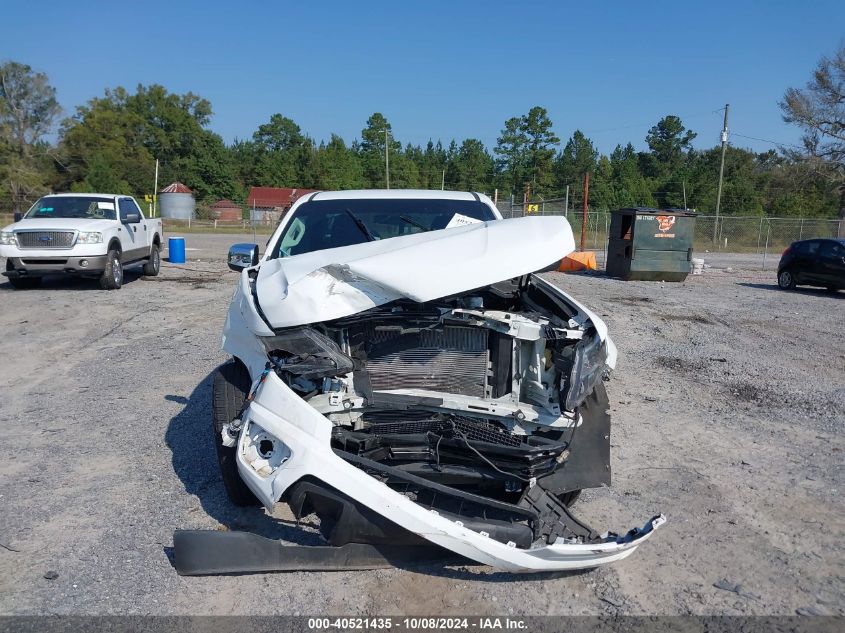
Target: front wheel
x,y
112,277
786,280
229,390
153,265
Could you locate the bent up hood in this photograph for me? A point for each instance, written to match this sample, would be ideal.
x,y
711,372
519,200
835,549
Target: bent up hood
x,y
338,282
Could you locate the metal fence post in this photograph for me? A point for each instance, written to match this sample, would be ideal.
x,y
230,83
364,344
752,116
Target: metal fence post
x,y
606,237
766,251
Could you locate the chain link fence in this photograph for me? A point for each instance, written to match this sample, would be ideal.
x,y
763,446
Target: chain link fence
x,y
762,236
758,235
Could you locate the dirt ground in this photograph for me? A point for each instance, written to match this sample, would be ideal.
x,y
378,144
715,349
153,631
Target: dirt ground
x,y
728,410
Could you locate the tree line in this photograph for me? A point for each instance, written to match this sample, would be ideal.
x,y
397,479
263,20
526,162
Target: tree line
x,y
111,144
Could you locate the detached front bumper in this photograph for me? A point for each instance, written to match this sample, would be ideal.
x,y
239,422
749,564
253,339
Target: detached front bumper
x,y
56,265
305,451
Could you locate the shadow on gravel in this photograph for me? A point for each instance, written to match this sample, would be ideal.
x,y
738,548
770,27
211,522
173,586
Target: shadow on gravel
x,y
194,460
481,573
68,282
813,292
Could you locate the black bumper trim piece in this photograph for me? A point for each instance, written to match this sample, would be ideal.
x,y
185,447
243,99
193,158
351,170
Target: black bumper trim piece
x,y
209,552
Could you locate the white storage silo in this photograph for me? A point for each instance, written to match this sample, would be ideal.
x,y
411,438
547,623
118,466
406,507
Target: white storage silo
x,y
177,202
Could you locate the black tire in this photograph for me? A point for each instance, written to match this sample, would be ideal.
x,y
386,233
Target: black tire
x,y
153,265
22,283
786,280
230,388
112,277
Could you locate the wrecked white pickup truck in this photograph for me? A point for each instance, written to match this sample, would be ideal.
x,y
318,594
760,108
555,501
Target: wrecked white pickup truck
x,y
401,372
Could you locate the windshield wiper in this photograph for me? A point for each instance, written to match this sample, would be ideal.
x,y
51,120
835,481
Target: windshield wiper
x,y
361,225
405,218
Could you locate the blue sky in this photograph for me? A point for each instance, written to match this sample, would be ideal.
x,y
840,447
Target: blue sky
x,y
442,69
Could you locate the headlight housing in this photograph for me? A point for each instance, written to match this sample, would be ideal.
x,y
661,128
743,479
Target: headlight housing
x,y
7,238
587,370
89,238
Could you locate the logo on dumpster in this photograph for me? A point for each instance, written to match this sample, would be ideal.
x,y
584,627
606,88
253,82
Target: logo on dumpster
x,y
664,223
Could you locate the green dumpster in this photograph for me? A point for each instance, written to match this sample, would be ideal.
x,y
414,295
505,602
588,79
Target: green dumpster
x,y
650,244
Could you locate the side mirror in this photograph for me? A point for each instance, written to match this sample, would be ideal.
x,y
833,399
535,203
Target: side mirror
x,y
242,256
18,216
131,217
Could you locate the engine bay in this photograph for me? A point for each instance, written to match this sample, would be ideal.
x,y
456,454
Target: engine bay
x,y
478,392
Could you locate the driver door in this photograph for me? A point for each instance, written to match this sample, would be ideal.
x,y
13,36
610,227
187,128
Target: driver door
x,y
131,235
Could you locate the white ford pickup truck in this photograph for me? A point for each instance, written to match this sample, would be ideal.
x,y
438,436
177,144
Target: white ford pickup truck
x,y
88,234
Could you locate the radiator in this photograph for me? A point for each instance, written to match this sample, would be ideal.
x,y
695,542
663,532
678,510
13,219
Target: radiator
x,y
449,359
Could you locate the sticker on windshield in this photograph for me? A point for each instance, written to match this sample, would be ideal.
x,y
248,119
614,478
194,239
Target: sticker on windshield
x,y
106,205
461,220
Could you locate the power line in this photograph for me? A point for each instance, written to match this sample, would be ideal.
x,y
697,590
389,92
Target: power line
x,y
765,140
652,123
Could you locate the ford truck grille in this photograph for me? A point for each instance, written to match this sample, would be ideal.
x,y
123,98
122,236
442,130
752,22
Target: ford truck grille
x,y
46,239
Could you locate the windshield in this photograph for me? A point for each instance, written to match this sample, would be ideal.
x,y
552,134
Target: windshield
x,y
79,207
321,224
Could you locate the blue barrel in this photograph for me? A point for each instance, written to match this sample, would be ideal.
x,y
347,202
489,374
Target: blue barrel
x,y
176,250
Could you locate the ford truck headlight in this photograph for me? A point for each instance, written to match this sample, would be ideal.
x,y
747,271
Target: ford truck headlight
x,y
587,370
90,238
7,238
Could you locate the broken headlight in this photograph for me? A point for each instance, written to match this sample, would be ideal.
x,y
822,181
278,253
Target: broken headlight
x,y
587,369
307,353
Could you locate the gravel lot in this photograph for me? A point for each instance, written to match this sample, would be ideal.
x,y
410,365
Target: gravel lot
x,y
728,405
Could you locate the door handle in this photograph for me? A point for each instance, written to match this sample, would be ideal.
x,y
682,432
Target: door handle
x,y
134,229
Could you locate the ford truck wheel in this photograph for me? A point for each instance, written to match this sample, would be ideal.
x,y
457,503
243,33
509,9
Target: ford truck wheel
x,y
112,277
153,265
229,390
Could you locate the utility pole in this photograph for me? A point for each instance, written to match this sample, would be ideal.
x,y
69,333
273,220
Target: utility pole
x,y
443,181
386,158
155,190
684,184
721,174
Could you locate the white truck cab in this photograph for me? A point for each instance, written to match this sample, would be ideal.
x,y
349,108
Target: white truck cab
x,y
88,234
